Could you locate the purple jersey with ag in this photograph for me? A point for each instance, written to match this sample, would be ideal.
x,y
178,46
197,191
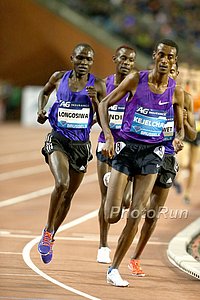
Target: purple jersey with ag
x,y
169,132
115,112
72,113
145,113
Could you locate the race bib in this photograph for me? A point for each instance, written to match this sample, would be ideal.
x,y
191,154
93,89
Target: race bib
x,y
116,114
168,130
148,122
73,118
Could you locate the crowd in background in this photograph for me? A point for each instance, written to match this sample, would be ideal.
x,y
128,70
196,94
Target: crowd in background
x,y
139,23
142,22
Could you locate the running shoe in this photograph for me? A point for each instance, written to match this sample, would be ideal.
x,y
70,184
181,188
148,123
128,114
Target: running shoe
x,y
114,278
44,246
186,200
103,255
48,257
135,268
178,187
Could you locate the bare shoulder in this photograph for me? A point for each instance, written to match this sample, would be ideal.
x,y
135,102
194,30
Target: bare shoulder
x,y
179,89
56,76
99,83
178,97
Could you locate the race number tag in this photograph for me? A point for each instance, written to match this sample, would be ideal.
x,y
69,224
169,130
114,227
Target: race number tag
x,y
119,146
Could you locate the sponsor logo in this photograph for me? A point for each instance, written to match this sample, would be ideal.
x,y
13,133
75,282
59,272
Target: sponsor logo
x,y
163,103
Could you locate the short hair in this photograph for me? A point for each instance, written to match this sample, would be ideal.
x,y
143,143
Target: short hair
x,y
125,47
85,45
168,43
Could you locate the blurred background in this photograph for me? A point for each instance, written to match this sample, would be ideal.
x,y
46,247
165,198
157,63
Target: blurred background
x,y
37,37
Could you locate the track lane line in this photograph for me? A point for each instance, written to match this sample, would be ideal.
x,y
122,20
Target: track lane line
x,y
27,249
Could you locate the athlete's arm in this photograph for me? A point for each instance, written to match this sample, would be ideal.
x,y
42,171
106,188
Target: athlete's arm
x,y
178,104
188,118
43,97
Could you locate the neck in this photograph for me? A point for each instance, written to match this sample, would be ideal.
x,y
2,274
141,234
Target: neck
x,y
158,79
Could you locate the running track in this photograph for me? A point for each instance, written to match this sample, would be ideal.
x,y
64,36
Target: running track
x,y
25,186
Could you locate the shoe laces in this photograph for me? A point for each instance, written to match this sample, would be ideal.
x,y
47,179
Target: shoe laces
x,y
46,240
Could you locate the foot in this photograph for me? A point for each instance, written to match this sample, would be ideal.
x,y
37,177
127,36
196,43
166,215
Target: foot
x,y
103,255
48,257
178,187
44,246
186,200
114,278
135,268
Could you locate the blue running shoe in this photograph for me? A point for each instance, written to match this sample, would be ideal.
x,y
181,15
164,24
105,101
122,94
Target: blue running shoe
x,y
44,246
48,257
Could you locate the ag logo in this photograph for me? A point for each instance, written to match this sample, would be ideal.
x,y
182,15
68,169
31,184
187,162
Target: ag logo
x,y
143,110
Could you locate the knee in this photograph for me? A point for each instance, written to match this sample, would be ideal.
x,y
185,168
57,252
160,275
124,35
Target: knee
x,y
113,215
151,216
61,187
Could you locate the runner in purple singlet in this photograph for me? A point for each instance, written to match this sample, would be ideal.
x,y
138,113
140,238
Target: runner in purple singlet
x,y
140,151
67,146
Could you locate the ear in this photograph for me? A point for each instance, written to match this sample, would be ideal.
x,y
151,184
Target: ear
x,y
71,58
114,58
154,55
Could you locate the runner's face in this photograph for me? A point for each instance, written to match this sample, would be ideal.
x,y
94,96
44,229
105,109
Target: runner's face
x,y
173,72
125,60
165,56
82,60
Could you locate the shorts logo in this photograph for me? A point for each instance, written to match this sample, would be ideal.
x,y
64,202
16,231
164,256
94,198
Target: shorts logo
x,y
169,180
82,168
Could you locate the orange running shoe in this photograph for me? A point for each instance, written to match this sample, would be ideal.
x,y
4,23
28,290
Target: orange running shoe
x,y
135,268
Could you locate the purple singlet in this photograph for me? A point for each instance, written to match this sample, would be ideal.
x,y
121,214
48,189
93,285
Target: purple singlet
x,y
145,114
72,113
115,112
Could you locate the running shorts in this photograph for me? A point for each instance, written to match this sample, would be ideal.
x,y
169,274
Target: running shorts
x,y
78,153
134,158
100,156
167,171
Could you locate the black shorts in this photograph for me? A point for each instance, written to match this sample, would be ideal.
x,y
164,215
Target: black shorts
x,y
100,156
196,142
78,153
167,171
134,158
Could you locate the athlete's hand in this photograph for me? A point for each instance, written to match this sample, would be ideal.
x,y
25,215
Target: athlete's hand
x,y
108,149
42,116
178,145
92,93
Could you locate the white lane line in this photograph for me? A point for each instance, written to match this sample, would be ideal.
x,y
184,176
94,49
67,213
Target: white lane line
x,y
19,157
81,238
23,172
26,197
42,192
28,261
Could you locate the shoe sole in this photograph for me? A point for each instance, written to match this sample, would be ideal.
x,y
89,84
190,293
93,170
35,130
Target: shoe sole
x,y
112,283
104,262
44,254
